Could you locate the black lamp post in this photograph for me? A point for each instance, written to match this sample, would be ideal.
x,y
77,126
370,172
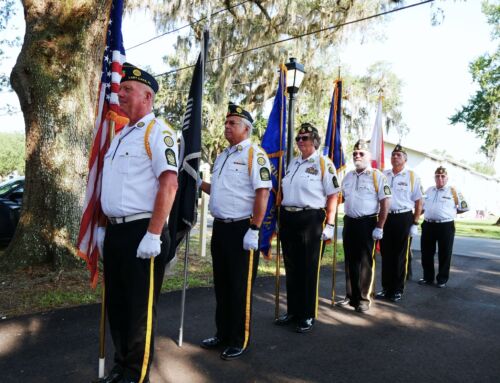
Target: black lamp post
x,y
294,77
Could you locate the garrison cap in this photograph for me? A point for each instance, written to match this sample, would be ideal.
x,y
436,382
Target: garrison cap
x,y
236,110
306,127
399,148
361,145
132,73
441,170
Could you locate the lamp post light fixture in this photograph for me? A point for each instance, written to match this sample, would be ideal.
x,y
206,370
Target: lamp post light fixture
x,y
294,76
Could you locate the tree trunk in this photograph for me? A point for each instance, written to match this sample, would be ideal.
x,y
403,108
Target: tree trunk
x,y
56,79
497,222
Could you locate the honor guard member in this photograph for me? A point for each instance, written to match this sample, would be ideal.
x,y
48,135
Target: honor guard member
x,y
366,195
139,183
239,191
442,203
402,224
307,217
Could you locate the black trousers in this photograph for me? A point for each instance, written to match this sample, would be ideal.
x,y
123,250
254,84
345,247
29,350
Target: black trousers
x,y
300,235
234,275
394,247
359,252
443,235
131,296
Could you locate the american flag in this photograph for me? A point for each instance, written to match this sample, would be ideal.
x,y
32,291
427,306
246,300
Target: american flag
x,y
108,105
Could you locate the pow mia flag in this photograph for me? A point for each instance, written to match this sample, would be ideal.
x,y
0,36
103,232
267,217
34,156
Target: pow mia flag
x,y
183,215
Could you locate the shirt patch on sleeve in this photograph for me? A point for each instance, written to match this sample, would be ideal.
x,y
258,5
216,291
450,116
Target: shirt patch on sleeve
x,y
169,141
463,205
330,169
261,161
387,190
264,174
170,156
335,181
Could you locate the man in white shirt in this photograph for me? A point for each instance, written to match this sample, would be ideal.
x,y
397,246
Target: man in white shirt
x,y
401,225
239,191
442,203
138,189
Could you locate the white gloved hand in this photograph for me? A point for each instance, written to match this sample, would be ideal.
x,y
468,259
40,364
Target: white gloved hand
x,y
251,240
413,230
150,246
327,232
377,233
101,233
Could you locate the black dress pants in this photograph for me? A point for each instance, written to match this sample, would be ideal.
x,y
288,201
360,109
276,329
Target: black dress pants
x,y
300,235
234,275
132,289
359,252
443,235
394,247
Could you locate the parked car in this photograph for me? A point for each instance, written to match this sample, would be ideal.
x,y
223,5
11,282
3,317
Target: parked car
x,y
11,197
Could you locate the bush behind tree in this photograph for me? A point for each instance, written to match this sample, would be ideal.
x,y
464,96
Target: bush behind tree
x,y
12,153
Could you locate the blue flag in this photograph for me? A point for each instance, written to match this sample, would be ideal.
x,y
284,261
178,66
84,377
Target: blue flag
x,y
333,143
274,143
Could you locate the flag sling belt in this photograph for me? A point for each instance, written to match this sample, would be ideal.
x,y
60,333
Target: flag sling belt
x,y
130,302
234,274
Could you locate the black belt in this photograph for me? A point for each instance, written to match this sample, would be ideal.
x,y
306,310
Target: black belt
x,y
364,216
229,220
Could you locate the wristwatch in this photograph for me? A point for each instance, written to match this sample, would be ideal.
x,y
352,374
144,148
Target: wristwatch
x,y
253,226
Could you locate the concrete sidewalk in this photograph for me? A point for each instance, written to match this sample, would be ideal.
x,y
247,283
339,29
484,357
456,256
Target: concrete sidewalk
x,y
433,335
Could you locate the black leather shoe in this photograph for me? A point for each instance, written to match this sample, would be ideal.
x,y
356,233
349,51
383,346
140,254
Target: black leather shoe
x,y
285,319
362,307
424,282
343,302
381,294
210,343
396,297
231,353
305,325
112,377
441,285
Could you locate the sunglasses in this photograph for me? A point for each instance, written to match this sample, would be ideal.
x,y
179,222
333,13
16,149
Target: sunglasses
x,y
361,154
301,138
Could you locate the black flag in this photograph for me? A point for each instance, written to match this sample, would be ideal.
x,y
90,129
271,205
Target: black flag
x,y
183,214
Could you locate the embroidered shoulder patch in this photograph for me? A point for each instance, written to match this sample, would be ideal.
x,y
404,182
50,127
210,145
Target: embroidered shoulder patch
x,y
169,141
264,174
170,156
463,205
335,181
330,169
261,161
387,190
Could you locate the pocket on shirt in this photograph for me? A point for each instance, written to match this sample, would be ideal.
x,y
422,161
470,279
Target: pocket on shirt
x,y
130,158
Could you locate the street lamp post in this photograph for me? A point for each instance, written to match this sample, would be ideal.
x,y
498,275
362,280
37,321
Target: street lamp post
x,y
294,76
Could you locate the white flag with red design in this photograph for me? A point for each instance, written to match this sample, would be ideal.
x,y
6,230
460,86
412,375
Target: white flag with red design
x,y
377,141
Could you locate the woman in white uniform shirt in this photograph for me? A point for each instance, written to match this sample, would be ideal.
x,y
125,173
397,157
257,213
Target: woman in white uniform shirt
x,y
310,190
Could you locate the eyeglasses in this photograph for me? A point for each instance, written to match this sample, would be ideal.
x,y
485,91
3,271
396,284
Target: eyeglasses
x,y
301,138
440,176
361,154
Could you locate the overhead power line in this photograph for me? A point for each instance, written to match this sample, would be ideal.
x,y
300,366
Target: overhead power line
x,y
188,25
299,36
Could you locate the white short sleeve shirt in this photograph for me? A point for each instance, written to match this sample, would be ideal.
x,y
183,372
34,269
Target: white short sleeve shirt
x,y
404,191
130,177
234,181
440,205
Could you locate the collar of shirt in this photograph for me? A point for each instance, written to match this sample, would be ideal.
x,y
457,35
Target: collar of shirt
x,y
312,158
402,172
144,120
243,144
368,170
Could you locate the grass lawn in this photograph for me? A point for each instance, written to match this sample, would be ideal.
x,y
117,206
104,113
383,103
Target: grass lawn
x,y
477,228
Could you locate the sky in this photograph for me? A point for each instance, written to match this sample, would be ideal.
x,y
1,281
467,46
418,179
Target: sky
x,y
432,62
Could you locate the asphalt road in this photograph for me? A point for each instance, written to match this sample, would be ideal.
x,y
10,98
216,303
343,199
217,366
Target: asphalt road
x,y
433,335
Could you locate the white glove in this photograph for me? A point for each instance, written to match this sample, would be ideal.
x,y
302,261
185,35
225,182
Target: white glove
x,y
327,232
101,233
251,240
377,233
150,246
413,230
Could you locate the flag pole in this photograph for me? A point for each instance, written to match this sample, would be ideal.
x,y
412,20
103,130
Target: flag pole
x,y
334,265
102,324
278,272
184,286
